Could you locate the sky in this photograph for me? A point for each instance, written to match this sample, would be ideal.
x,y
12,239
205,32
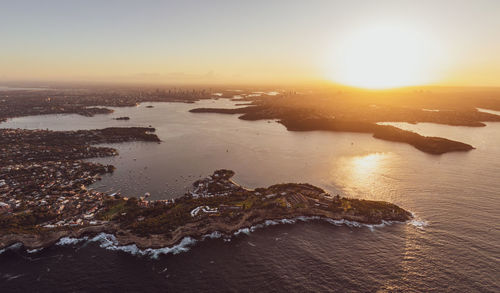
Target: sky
x,y
237,42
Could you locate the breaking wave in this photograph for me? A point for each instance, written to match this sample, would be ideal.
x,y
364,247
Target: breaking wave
x,y
109,241
213,235
417,222
71,240
242,230
348,223
14,246
34,250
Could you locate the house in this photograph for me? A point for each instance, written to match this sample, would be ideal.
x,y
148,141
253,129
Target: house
x,y
4,208
224,208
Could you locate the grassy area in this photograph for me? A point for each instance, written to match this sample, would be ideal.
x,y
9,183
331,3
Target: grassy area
x,y
113,211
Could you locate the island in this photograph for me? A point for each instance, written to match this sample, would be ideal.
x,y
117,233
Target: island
x,y
122,118
44,196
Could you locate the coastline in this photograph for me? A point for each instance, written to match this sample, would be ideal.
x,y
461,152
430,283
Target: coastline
x,y
282,201
64,208
151,246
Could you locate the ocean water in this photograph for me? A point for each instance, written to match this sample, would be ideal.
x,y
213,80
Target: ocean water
x,y
453,247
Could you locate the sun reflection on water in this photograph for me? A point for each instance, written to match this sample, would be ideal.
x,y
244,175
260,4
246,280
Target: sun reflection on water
x,y
365,165
367,176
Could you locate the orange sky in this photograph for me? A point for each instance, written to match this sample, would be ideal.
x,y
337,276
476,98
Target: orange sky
x,y
447,42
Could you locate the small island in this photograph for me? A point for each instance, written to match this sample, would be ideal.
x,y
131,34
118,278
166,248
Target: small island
x,y
122,118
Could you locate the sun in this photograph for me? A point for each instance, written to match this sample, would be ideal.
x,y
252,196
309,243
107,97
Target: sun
x,y
383,57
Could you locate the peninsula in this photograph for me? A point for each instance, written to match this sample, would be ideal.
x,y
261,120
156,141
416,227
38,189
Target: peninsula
x,y
216,203
44,196
295,120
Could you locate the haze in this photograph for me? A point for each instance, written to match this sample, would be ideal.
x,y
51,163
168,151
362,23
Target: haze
x,y
444,42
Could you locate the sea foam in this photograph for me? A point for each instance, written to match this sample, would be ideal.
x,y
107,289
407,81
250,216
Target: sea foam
x,y
70,240
417,222
213,235
248,230
14,246
420,224
34,250
109,241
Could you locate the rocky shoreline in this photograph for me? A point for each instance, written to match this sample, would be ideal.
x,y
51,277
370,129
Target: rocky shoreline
x,y
125,238
229,208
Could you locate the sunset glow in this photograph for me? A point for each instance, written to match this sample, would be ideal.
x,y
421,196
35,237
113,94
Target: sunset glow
x,y
384,57
366,44
249,146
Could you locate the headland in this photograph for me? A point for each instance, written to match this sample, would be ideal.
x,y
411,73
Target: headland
x,y
216,203
44,196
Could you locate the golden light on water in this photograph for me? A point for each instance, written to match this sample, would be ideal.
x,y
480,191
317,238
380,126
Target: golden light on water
x,y
363,166
365,176
382,57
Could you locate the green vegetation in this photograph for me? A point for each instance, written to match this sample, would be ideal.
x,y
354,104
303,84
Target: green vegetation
x,y
114,208
25,222
221,202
